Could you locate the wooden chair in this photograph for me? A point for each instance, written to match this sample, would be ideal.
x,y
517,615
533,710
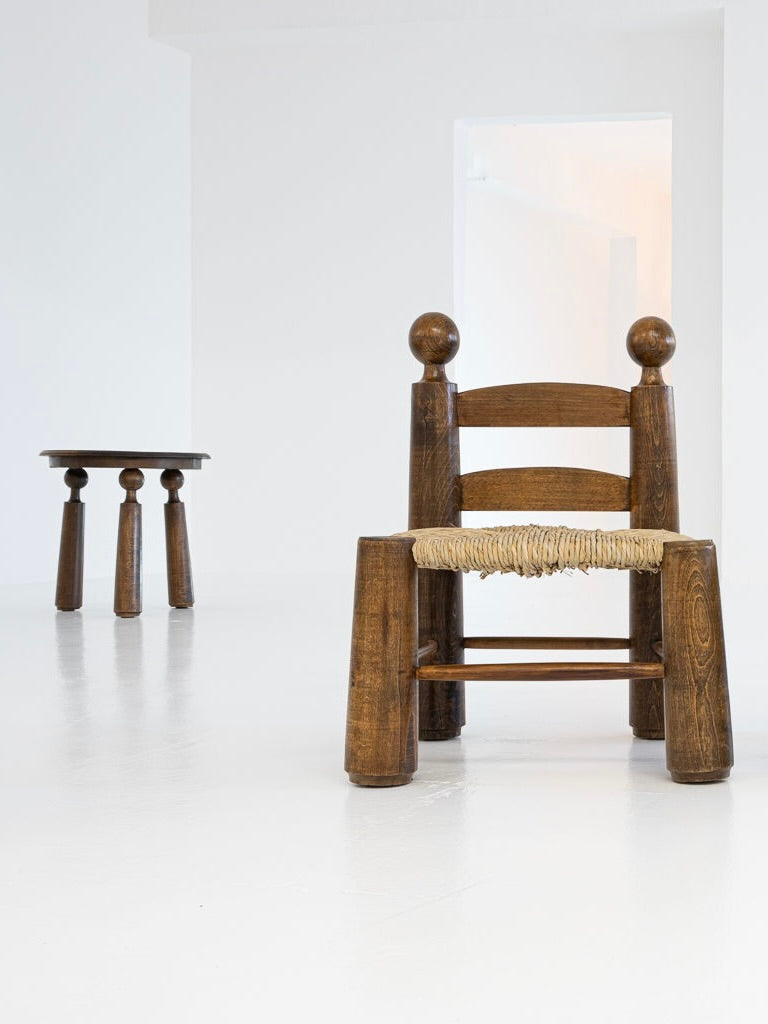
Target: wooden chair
x,y
407,673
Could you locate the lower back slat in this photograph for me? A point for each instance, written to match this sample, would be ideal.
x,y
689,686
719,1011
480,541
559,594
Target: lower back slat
x,y
543,489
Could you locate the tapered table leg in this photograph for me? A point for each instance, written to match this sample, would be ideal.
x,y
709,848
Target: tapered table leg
x,y
69,581
128,566
180,592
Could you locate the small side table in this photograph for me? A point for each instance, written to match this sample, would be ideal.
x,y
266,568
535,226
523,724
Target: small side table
x,y
69,583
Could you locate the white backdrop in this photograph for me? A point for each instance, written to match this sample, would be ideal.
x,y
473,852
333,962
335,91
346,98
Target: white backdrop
x,y
323,209
322,222
94,267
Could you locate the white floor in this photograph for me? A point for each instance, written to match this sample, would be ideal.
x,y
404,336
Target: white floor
x,y
179,842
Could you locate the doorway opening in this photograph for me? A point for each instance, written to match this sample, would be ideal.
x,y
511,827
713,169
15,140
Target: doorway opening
x,y
563,238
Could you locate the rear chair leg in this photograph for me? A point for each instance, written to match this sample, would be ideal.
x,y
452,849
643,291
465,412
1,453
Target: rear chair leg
x,y
441,703
382,710
646,696
696,705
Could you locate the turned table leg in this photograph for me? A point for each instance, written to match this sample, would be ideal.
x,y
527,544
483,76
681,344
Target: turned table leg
x,y
69,582
180,593
128,566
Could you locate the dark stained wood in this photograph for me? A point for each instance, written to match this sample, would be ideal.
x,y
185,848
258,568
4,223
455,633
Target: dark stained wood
x,y
545,488
434,340
124,460
390,638
69,579
128,565
651,343
544,405
127,582
699,741
546,643
434,469
653,506
545,671
381,746
179,565
427,651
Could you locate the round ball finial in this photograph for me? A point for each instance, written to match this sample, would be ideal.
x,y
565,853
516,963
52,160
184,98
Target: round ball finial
x,y
172,479
75,479
434,340
131,479
651,341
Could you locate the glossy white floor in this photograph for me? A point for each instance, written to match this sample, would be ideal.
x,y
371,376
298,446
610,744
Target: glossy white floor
x,y
180,843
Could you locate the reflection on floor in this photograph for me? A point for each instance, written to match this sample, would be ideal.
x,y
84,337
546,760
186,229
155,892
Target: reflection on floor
x,y
180,843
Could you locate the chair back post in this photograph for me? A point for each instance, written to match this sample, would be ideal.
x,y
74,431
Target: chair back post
x,y
434,501
653,506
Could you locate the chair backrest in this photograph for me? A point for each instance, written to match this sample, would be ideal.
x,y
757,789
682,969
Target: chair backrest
x,y
439,492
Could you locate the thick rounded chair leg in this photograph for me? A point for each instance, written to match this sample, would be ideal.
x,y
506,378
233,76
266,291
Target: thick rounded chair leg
x,y
382,709
646,696
441,703
380,781
696,703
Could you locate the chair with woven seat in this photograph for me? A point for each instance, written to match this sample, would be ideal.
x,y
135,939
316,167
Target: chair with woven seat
x,y
407,670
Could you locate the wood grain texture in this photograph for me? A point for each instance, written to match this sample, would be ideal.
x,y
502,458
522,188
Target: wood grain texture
x,y
434,469
434,340
128,564
69,578
382,707
545,671
544,405
653,506
396,647
543,489
178,563
546,643
92,458
698,719
429,650
651,343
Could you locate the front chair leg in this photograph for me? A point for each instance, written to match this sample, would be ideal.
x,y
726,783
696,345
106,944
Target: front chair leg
x,y
696,705
382,716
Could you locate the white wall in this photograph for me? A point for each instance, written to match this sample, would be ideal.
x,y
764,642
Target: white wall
x,y
94,266
322,165
745,353
323,224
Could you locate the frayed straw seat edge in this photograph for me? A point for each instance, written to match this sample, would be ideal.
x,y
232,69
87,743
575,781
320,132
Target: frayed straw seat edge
x,y
538,550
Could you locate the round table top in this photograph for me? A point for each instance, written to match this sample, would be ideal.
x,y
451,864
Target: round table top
x,y
91,458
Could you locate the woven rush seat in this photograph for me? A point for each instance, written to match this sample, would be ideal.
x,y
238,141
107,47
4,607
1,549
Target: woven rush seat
x,y
538,550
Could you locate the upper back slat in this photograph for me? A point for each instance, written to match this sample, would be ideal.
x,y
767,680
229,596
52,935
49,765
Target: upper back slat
x,y
544,405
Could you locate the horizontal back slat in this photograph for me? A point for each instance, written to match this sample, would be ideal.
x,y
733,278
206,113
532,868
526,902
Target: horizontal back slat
x,y
543,489
544,405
